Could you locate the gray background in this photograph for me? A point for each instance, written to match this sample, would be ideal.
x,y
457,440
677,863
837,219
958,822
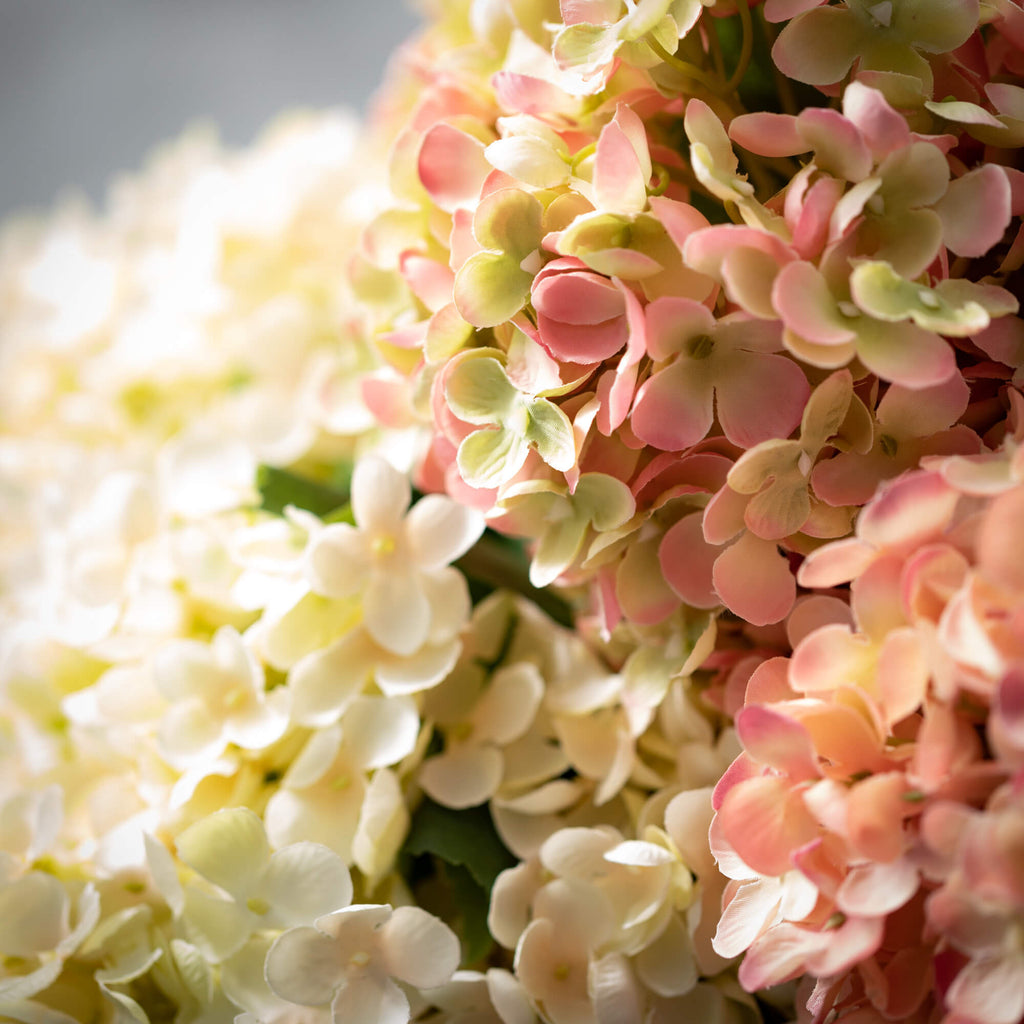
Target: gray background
x,y
88,87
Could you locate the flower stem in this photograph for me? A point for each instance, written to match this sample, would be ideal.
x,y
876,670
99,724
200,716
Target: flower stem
x,y
684,67
746,47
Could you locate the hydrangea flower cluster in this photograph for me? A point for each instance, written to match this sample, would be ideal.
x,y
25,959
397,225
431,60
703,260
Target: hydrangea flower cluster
x,y
551,554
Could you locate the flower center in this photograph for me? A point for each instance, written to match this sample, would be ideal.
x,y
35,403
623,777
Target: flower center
x,y
701,346
383,545
257,905
360,958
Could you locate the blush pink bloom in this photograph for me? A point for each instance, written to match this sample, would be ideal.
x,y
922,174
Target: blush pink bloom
x,y
706,366
581,315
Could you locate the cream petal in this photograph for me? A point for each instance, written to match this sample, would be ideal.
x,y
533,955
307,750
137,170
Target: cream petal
x,y
337,562
439,530
462,776
304,881
228,848
380,495
33,911
217,926
447,592
396,611
418,948
508,705
304,967
379,731
324,682
370,998
190,734
419,671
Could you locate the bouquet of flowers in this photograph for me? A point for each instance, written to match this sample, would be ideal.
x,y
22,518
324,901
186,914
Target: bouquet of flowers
x,y
553,552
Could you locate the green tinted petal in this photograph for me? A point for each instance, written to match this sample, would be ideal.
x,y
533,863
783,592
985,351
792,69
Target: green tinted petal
x,y
606,501
510,220
478,391
581,44
549,431
491,288
954,307
489,458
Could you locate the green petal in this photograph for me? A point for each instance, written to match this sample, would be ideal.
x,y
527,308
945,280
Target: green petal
x,y
559,545
478,391
549,431
954,307
510,220
606,501
491,288
489,458
228,848
583,43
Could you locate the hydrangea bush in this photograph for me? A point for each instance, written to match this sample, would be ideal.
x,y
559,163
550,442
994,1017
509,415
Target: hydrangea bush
x,y
552,553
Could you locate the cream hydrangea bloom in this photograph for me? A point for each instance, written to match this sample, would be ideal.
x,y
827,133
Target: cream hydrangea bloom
x,y
264,890
353,959
217,697
398,563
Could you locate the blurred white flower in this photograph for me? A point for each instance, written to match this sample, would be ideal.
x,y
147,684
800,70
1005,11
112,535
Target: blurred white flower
x,y
352,959
217,697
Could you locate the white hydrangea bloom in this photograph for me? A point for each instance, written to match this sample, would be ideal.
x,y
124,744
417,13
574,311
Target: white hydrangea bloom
x,y
217,697
397,563
265,890
470,769
353,959
338,790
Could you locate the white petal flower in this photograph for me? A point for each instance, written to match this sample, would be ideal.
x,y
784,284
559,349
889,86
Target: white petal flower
x,y
217,696
351,957
292,886
391,559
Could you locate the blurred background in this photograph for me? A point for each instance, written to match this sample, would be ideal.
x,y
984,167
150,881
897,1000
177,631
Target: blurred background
x,y
88,87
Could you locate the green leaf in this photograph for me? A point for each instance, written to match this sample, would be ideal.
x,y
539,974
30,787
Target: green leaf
x,y
280,487
467,838
473,902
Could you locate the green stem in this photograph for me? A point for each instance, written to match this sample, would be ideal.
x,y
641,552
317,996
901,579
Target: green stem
x,y
746,47
684,67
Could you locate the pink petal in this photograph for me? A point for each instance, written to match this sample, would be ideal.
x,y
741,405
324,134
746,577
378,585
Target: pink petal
x,y
778,955
909,512
874,890
806,304
831,657
904,353
754,581
839,148
582,343
765,821
577,297
744,382
620,181
687,561
884,128
975,210
768,134
835,563
673,408
452,166
875,813
778,741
